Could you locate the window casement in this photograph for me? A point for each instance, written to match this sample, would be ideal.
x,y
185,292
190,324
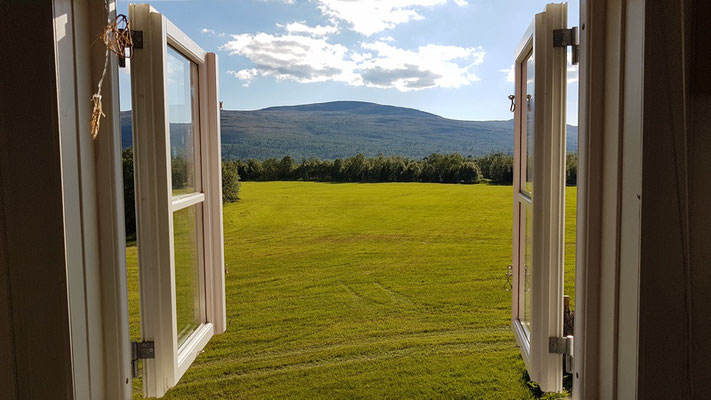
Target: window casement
x,y
539,196
176,138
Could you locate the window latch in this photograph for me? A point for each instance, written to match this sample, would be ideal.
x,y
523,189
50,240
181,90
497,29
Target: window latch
x,y
141,351
565,38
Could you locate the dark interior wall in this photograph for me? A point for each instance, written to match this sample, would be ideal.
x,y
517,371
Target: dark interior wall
x,y
35,356
675,270
699,147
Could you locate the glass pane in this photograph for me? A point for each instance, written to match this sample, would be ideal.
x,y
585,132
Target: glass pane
x,y
187,263
182,90
527,264
530,88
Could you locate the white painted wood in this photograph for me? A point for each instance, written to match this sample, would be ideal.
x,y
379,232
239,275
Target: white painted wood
x,y
156,204
217,309
587,278
190,349
630,204
93,228
520,332
183,43
91,209
110,209
184,201
609,182
548,198
152,199
71,183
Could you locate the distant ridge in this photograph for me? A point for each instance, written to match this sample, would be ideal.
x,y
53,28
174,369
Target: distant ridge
x,y
343,128
354,107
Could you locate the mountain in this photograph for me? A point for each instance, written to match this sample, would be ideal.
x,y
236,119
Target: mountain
x,y
344,128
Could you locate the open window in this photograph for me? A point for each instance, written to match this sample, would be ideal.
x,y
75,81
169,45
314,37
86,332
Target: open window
x,y
176,135
539,198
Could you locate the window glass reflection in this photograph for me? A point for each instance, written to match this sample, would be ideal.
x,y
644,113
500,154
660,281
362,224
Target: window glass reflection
x,y
530,123
181,81
186,253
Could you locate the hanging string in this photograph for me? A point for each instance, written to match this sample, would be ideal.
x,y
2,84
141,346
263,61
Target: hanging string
x,y
116,38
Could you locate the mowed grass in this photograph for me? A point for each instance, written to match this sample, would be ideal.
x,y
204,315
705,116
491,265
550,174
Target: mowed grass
x,y
364,291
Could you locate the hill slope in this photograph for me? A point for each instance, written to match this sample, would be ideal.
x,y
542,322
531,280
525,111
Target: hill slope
x,y
344,128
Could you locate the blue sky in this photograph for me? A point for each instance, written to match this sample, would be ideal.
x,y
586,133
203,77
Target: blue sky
x,y
448,57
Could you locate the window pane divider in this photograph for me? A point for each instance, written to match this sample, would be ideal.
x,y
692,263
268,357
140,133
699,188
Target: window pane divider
x,y
187,200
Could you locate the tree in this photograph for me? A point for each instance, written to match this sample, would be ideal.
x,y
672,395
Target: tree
x,y
230,182
129,199
571,169
337,170
438,168
498,168
270,170
254,170
285,169
355,169
469,172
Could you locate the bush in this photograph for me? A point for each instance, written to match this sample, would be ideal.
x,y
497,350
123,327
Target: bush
x,y
571,169
230,182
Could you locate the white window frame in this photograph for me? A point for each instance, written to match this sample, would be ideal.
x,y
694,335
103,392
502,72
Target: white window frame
x,y
156,203
549,205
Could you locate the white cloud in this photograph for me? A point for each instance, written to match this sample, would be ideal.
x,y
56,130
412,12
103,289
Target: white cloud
x,y
318,30
295,57
245,75
305,59
461,3
387,39
509,73
358,57
372,16
211,32
430,66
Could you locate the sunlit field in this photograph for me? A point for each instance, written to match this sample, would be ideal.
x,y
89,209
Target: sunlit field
x,y
373,291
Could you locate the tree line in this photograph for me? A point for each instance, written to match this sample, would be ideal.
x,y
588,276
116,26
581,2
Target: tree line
x,y
437,168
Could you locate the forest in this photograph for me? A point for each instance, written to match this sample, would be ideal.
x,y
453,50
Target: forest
x,y
436,168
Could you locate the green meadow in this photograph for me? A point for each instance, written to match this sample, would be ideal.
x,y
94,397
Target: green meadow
x,y
364,291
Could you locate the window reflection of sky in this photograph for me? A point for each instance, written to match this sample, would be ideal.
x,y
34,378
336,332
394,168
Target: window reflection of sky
x,y
178,82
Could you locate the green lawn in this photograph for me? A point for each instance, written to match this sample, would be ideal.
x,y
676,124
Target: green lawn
x,y
364,291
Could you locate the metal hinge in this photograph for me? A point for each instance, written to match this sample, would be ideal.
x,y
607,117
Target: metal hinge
x,y
561,345
565,38
564,346
141,351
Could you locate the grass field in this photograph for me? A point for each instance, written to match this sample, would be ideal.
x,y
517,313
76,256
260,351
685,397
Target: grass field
x,y
364,291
